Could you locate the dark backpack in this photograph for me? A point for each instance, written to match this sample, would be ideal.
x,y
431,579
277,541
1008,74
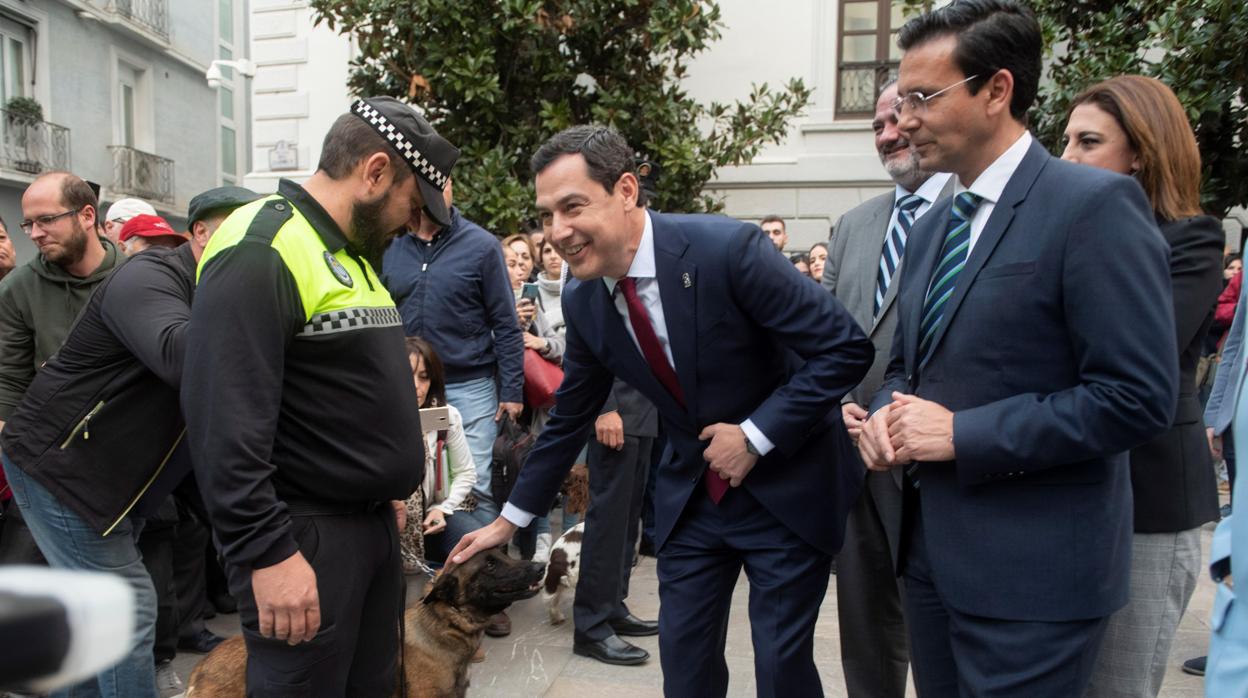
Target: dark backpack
x,y
511,448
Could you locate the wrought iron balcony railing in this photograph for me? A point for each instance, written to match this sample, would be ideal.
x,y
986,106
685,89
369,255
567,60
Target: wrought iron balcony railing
x,y
152,15
140,174
859,86
31,146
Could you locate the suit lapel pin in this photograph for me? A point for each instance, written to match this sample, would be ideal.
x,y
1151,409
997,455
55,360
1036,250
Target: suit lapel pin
x,y
687,280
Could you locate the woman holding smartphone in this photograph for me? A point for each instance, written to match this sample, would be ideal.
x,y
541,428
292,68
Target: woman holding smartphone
x,y
449,470
538,334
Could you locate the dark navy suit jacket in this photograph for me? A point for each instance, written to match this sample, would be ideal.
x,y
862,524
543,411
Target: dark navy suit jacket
x,y
1057,355
751,338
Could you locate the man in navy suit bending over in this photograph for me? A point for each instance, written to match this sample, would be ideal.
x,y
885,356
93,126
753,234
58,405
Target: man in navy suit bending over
x,y
746,363
1035,346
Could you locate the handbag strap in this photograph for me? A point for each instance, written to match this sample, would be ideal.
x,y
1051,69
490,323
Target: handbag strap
x,y
437,479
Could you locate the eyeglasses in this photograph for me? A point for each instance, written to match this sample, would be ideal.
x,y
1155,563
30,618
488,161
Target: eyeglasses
x,y
917,101
44,221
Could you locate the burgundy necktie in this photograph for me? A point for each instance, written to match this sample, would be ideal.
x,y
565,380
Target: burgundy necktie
x,y
662,369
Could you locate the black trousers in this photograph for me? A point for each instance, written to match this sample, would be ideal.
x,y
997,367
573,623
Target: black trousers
x,y
617,480
359,578
156,544
191,540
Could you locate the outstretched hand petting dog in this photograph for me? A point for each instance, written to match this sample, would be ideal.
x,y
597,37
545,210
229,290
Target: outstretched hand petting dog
x,y
492,536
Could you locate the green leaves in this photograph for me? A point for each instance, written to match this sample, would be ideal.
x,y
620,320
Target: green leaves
x,y
1197,47
498,77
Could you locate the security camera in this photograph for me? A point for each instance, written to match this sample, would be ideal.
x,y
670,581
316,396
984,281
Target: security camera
x,y
214,76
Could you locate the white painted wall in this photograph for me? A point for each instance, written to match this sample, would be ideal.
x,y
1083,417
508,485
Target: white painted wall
x,y
299,89
823,168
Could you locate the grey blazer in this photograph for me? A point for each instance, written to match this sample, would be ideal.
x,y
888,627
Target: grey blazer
x,y
850,274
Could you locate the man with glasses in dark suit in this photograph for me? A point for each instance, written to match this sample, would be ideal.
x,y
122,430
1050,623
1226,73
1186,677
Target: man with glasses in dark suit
x,y
1035,346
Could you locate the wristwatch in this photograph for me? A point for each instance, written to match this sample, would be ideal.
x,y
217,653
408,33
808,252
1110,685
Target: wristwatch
x,y
749,446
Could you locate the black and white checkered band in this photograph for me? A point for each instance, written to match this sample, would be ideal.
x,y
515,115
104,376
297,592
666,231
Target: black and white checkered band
x,y
427,170
351,319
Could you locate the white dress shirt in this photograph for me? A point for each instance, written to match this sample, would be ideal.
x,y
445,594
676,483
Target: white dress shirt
x,y
991,182
644,272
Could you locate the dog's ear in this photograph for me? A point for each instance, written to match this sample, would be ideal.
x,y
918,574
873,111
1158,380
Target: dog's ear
x,y
556,569
444,589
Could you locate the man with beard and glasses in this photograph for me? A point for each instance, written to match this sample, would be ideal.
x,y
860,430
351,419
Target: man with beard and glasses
x,y
39,300
865,256
301,412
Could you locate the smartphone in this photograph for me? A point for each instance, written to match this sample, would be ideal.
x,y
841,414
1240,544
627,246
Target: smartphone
x,y
529,291
435,419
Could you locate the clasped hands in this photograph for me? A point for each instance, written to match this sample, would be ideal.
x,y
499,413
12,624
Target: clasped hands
x,y
907,429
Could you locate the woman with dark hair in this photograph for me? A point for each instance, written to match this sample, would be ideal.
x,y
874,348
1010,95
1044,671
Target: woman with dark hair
x,y
1233,265
1135,125
449,470
816,259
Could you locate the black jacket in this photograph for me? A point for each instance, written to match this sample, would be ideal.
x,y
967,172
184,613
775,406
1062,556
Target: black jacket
x,y
1172,477
99,421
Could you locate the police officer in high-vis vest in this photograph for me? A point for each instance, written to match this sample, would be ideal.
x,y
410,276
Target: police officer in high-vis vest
x,y
301,412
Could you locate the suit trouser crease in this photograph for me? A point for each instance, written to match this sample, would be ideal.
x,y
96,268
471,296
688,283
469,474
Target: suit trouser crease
x,y
698,568
617,480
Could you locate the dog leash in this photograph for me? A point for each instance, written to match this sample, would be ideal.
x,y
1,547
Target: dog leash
x,y
423,567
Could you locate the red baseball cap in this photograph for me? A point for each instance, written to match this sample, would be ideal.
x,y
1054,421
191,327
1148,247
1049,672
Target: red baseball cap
x,y
148,226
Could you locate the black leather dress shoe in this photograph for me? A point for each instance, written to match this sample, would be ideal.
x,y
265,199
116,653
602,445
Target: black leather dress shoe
x,y
632,626
612,650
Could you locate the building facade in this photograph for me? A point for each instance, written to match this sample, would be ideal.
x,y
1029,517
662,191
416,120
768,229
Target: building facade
x,y
123,99
843,49
825,166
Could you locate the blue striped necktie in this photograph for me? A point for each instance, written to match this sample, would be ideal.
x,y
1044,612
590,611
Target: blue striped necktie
x,y
895,246
953,254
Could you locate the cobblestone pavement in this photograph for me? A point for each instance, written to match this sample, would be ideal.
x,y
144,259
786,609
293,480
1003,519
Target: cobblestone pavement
x,y
537,660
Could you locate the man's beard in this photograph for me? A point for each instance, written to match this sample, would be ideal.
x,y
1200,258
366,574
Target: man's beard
x,y
71,251
367,235
905,171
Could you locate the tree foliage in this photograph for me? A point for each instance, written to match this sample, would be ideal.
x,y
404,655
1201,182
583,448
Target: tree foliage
x,y
497,77
1197,47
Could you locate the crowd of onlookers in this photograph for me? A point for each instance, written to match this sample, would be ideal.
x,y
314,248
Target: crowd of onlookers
x,y
485,339
472,308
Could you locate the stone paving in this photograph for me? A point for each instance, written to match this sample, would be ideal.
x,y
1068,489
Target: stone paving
x,y
537,660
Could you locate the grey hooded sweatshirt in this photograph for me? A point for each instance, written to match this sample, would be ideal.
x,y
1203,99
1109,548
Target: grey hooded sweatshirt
x,y
39,302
